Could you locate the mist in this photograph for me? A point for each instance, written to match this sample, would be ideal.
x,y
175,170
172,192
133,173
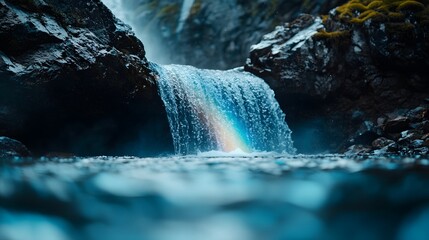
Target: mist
x,y
154,46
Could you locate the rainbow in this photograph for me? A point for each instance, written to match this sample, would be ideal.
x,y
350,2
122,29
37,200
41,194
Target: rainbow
x,y
210,110
230,135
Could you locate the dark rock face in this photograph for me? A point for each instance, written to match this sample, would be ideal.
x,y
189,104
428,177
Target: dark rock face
x,y
344,72
12,148
210,34
73,78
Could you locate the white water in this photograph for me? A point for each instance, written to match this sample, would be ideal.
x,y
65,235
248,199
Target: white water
x,y
227,111
154,47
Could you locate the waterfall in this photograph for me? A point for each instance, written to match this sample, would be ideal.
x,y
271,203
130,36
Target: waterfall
x,y
221,110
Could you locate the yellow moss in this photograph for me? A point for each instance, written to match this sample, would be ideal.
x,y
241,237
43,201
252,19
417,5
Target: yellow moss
x,y
367,13
395,16
388,7
323,34
324,18
400,27
357,7
373,15
360,11
375,4
411,6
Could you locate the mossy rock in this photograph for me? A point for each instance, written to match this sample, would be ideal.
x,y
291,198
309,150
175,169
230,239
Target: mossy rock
x,y
369,14
396,17
360,11
335,35
411,6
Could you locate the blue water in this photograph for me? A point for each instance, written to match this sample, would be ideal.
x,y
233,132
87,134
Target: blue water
x,y
215,196
221,110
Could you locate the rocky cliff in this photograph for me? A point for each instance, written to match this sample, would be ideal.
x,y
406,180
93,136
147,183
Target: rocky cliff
x,y
75,79
346,78
209,34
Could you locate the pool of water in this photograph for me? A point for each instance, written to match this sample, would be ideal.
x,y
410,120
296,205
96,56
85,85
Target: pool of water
x,y
215,196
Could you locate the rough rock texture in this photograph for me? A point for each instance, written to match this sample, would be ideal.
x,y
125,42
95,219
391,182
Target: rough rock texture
x,y
339,74
12,148
205,33
73,78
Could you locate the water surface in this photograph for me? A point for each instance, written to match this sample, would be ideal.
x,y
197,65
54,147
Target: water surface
x,y
215,196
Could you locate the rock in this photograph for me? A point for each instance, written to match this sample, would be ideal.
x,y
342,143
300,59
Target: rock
x,y
397,125
289,59
423,126
410,135
345,61
417,143
392,148
418,113
421,151
358,149
73,78
382,142
381,121
12,148
366,134
210,34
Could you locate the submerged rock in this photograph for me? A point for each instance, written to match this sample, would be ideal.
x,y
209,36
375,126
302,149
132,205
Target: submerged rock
x,y
370,58
75,79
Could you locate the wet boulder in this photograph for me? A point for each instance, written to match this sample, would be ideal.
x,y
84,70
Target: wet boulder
x,y
397,125
12,148
73,78
364,57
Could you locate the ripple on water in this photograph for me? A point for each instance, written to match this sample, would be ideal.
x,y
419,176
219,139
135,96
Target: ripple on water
x,y
215,196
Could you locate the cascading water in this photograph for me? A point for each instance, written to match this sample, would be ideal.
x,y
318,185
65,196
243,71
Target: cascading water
x,y
221,110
